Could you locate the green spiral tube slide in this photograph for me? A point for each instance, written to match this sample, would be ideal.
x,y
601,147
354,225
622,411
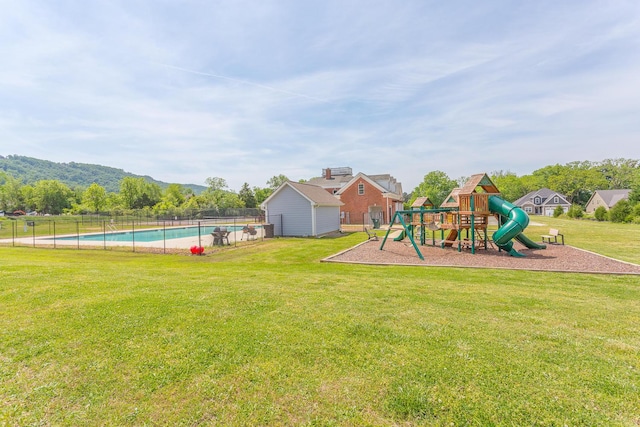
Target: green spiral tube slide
x,y
517,221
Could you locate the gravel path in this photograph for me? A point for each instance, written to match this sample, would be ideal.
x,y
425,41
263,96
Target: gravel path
x,y
554,258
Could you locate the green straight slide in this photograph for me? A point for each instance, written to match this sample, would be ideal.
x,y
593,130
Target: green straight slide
x,y
516,221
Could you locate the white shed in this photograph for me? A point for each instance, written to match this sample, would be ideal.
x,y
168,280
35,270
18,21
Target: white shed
x,y
302,210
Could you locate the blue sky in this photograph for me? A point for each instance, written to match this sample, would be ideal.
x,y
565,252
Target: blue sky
x,y
245,90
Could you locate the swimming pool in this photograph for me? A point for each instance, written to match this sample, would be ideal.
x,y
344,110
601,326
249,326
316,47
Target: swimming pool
x,y
149,235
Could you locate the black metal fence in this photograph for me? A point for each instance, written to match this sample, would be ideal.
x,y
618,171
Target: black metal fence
x,y
138,233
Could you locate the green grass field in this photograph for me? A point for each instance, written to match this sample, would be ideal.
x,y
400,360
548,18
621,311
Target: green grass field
x,y
266,334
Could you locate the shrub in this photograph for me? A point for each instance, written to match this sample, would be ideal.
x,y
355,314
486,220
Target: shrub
x,y
575,211
620,212
601,213
558,211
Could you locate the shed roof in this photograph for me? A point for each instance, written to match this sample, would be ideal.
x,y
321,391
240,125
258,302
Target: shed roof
x,y
316,194
313,193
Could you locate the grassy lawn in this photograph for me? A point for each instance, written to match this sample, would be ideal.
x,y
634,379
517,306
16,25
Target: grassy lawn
x,y
620,241
268,335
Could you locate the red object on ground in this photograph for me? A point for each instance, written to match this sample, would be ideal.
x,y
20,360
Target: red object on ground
x,y
197,250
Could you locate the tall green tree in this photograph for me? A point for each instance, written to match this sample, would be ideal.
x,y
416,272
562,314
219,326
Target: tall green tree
x,y
436,185
215,184
138,193
175,195
261,194
246,195
576,180
51,196
619,173
11,194
511,187
95,197
229,200
276,181
28,197
215,193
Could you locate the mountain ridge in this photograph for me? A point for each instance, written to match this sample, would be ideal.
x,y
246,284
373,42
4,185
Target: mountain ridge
x,y
30,170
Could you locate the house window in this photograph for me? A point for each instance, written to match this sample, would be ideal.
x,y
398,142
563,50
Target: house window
x,y
555,199
528,209
360,189
536,200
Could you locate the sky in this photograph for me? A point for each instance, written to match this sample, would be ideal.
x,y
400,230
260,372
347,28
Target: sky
x,y
247,90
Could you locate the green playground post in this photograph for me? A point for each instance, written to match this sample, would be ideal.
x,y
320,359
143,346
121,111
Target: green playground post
x,y
408,234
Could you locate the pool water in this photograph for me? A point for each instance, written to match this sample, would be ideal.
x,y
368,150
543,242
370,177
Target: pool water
x,y
149,235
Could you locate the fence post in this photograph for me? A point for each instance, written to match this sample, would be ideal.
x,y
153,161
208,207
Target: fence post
x,y
54,233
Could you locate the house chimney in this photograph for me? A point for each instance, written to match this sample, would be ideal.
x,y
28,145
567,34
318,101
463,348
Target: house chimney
x,y
327,173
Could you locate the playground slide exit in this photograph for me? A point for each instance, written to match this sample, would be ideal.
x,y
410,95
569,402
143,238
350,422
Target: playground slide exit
x,y
517,221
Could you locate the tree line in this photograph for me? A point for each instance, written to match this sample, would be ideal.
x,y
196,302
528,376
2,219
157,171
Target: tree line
x,y
53,197
576,180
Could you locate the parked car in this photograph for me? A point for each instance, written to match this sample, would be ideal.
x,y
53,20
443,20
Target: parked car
x,y
18,213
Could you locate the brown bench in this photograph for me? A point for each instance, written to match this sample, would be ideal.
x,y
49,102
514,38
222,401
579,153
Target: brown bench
x,y
552,237
371,235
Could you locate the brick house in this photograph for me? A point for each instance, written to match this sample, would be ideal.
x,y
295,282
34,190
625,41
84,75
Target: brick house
x,y
369,199
365,197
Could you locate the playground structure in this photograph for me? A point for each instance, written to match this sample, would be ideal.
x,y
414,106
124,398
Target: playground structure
x,y
463,219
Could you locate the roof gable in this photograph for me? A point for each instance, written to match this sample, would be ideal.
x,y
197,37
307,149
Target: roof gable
x,y
551,200
545,196
422,201
451,201
611,197
356,178
481,180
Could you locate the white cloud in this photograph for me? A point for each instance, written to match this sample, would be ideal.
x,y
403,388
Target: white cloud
x,y
245,90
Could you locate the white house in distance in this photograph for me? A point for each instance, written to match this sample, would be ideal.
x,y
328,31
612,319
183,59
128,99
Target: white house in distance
x,y
542,202
302,210
606,198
